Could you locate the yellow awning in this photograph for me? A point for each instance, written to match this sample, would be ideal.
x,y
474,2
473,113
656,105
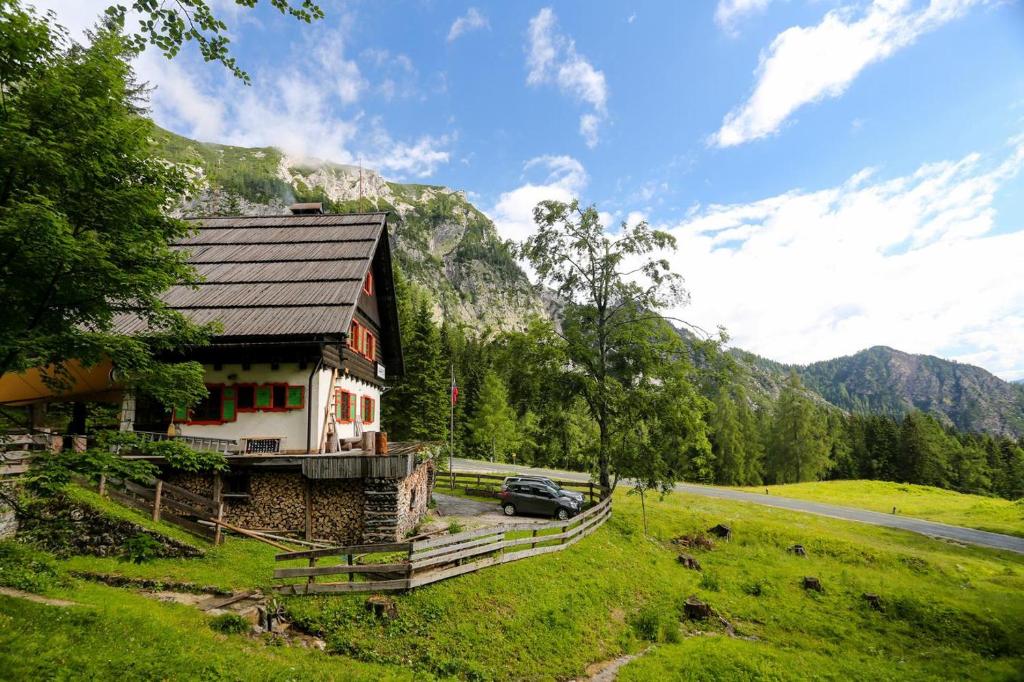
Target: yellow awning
x,y
87,383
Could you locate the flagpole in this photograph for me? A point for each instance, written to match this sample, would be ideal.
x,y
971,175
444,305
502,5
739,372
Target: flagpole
x,y
451,429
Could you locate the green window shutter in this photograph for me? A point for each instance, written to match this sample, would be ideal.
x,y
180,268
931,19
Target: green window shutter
x,y
295,395
180,413
264,397
351,407
228,404
337,404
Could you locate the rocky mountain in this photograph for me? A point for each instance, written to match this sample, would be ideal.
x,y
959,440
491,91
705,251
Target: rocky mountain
x,y
446,245
883,380
441,241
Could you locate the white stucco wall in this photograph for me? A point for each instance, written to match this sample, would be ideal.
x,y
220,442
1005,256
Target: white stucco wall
x,y
290,424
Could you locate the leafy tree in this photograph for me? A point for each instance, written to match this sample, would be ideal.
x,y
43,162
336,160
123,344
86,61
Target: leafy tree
x,y
493,427
168,26
799,448
84,238
610,287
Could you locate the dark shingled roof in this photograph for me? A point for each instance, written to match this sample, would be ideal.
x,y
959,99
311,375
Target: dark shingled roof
x,y
276,276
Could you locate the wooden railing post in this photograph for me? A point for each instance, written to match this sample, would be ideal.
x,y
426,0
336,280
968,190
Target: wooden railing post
x,y
533,545
156,500
103,485
351,575
218,532
312,564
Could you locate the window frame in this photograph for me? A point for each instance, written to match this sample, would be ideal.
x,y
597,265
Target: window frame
x,y
368,283
346,416
212,422
365,399
253,386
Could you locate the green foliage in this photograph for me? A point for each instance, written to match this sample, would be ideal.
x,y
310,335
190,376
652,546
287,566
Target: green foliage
x,y
230,624
140,548
182,457
84,236
50,472
423,392
493,428
169,27
454,527
25,568
798,447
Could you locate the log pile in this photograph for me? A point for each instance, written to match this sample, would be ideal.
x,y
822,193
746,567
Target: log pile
x,y
337,510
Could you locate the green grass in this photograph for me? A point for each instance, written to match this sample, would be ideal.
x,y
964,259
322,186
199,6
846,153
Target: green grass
x,y
934,504
117,634
947,608
117,511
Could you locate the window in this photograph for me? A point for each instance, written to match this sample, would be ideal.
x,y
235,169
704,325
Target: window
x,y
344,406
370,346
368,284
246,397
368,409
280,392
362,340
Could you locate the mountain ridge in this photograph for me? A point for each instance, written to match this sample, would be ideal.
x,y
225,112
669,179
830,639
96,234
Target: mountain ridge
x,y
451,249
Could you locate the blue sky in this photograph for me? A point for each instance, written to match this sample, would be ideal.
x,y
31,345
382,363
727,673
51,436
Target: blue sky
x,y
838,173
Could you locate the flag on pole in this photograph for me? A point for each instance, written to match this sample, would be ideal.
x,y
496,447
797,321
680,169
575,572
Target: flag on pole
x,y
455,392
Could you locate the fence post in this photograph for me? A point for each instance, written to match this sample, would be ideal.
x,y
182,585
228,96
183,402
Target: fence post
x,y
156,500
217,536
590,491
533,545
351,575
565,529
312,564
103,485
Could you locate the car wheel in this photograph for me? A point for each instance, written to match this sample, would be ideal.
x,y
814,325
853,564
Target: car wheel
x,y
509,509
563,514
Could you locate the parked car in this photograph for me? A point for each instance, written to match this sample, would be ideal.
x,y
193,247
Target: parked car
x,y
559,490
530,497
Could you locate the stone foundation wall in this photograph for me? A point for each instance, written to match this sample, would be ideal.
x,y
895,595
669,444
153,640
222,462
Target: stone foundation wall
x,y
349,511
8,519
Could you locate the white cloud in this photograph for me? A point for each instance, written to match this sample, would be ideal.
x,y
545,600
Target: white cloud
x,y
728,12
560,178
472,20
809,64
911,262
553,60
304,105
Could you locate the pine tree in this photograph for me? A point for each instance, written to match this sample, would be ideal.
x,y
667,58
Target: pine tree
x,y
925,451
727,441
419,403
799,447
493,428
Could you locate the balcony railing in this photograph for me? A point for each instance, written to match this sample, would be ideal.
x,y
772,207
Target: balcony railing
x,y
223,445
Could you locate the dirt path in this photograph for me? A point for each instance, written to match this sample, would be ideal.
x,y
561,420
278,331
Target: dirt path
x,y
28,596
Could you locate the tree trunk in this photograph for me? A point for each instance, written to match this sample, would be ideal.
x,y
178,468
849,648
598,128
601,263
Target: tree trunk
x,y
604,477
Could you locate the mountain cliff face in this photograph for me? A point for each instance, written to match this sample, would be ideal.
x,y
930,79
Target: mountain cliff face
x,y
884,380
446,245
440,240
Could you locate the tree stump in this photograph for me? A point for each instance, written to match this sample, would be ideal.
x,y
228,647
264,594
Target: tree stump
x,y
688,561
873,600
798,550
721,530
695,609
812,583
700,541
382,607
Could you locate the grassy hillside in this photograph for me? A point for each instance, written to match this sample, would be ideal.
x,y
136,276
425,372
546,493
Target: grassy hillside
x,y
945,608
934,504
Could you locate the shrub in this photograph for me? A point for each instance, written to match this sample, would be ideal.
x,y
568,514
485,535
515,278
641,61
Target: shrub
x,y
454,527
25,568
140,549
230,624
647,624
758,588
180,456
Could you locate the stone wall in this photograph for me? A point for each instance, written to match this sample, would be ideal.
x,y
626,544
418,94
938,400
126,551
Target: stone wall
x,y
8,519
394,507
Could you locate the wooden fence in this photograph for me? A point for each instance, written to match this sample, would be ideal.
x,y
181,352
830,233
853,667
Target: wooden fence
x,y
166,502
17,450
489,485
404,565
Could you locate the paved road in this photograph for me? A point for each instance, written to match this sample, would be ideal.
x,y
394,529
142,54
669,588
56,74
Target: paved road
x,y
930,528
